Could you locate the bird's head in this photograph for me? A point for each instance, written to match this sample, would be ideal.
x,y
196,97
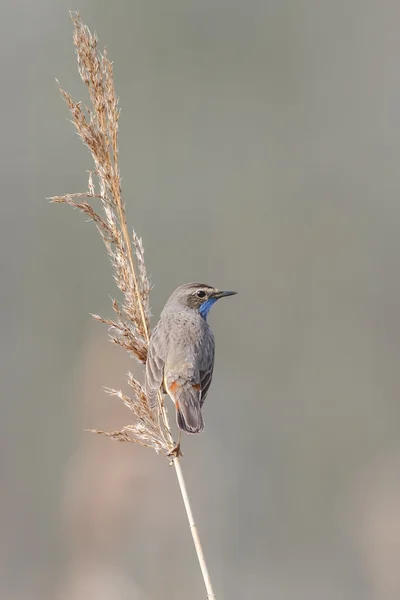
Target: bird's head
x,y
198,296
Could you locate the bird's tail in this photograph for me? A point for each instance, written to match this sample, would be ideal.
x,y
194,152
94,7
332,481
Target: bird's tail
x,y
189,417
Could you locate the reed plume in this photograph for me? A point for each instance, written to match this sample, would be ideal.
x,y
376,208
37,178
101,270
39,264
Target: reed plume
x,y
97,126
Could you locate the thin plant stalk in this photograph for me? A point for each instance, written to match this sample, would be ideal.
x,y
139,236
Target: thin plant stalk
x,y
192,523
193,529
97,125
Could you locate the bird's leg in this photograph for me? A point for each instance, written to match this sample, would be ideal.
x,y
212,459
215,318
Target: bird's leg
x,y
176,450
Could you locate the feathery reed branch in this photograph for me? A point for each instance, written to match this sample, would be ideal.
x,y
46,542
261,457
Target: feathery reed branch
x,y
97,126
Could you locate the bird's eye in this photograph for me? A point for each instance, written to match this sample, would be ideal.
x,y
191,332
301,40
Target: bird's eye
x,y
200,294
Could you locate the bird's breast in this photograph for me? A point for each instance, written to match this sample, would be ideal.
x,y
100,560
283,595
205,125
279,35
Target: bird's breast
x,y
189,336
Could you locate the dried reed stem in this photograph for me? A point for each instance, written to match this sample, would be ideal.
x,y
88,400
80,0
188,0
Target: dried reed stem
x,y
97,125
192,523
195,533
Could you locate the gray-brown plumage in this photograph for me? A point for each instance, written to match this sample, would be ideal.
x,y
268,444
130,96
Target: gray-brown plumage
x,y
180,359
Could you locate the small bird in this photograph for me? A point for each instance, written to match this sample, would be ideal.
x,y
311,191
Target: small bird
x,y
180,359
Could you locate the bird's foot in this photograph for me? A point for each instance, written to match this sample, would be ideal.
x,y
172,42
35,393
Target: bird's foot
x,y
176,451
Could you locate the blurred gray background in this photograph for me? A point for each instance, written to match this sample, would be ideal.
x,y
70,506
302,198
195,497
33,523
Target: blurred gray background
x,y
260,151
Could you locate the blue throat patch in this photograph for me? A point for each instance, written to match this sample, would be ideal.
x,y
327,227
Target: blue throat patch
x,y
206,306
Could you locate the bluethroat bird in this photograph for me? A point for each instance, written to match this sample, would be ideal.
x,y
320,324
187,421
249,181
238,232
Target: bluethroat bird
x,y
180,359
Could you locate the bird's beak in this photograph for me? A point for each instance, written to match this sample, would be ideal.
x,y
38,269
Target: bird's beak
x,y
219,295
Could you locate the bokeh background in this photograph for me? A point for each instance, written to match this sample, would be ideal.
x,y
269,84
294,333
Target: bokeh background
x,y
260,149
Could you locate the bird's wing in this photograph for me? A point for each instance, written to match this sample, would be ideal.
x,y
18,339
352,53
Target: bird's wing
x,y
205,382
155,365
206,372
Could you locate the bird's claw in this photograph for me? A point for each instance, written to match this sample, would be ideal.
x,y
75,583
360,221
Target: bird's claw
x,y
176,451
